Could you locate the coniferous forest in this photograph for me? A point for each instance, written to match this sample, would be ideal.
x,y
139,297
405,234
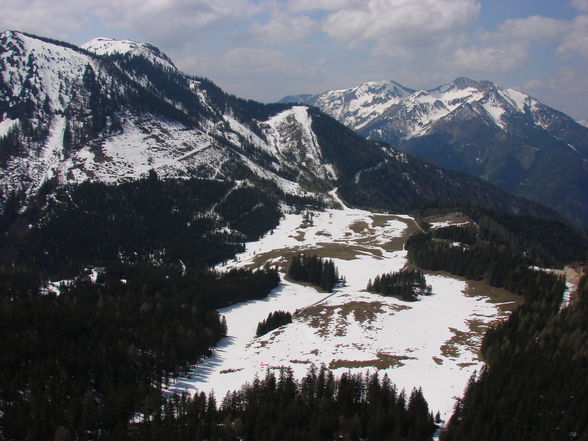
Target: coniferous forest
x,y
278,407
406,284
314,270
138,306
273,321
534,386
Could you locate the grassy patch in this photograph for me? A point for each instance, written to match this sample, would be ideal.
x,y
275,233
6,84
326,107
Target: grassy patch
x,y
507,301
230,371
438,360
383,361
321,317
359,227
300,236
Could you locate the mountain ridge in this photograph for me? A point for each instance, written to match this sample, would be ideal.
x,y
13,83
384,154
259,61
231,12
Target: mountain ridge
x,y
500,135
69,115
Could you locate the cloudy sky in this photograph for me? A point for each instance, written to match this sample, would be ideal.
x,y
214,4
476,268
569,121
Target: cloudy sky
x,y
265,49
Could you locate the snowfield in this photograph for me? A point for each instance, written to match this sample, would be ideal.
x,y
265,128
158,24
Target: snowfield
x,y
432,343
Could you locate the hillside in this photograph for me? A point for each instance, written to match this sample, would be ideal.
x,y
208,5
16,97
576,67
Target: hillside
x,y
500,135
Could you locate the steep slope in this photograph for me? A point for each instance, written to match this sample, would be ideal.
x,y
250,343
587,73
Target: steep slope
x,y
118,110
71,115
500,135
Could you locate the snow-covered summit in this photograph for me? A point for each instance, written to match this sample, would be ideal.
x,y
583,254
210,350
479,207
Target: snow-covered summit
x,y
111,46
356,106
380,109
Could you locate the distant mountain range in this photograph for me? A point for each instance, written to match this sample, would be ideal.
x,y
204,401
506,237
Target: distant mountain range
x,y
500,135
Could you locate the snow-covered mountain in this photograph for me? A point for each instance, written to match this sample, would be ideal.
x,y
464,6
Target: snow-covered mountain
x,y
114,111
357,106
498,134
110,46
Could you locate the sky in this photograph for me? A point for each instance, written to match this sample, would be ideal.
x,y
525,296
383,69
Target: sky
x,y
267,49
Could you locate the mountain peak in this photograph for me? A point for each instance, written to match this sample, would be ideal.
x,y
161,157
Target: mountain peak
x,y
109,46
464,83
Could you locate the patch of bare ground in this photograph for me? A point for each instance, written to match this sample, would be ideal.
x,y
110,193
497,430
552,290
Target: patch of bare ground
x,y
383,361
465,365
397,243
300,235
323,233
438,360
263,341
359,227
300,361
262,258
343,251
469,339
506,300
230,371
321,317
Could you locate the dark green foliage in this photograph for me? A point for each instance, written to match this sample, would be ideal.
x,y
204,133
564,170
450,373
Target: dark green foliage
x,y
528,161
498,265
318,407
162,223
548,242
314,270
344,148
535,387
406,284
409,184
274,320
463,235
86,360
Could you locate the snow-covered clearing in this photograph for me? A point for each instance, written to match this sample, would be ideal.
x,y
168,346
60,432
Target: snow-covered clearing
x,y
431,343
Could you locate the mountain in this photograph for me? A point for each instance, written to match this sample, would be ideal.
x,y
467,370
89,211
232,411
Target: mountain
x,y
500,135
115,111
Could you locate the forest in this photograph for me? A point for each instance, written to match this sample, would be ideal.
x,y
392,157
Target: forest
x,y
278,407
273,321
314,270
138,304
406,284
534,386
83,362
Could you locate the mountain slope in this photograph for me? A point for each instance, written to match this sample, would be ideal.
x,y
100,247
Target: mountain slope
x,y
500,135
115,111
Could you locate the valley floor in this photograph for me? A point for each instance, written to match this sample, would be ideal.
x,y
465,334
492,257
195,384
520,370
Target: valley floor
x,y
432,343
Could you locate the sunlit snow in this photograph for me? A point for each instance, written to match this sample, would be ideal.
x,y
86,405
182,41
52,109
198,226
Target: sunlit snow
x,y
428,343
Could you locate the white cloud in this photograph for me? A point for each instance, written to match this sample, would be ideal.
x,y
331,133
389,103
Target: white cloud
x,y
161,21
414,23
575,41
283,27
533,28
325,5
581,5
254,60
45,17
171,19
487,59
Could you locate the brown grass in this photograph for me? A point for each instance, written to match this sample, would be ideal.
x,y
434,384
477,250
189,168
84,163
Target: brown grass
x,y
383,361
230,371
359,227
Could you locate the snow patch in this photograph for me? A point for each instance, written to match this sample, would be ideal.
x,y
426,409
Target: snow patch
x,y
349,329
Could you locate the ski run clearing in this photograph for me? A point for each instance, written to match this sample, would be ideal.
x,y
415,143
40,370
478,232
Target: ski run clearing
x,y
432,343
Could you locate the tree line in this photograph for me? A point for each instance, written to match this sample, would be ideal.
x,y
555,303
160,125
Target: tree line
x,y
534,385
81,363
317,407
